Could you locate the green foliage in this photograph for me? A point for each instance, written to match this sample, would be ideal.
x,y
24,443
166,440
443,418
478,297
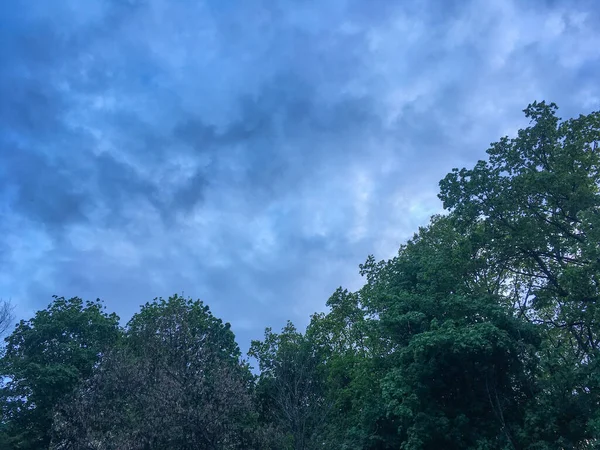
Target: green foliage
x,y
355,360
45,358
482,332
291,387
444,362
537,202
537,198
462,379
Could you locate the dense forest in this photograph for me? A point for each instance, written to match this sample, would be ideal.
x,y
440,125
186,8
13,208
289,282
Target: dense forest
x,y
482,333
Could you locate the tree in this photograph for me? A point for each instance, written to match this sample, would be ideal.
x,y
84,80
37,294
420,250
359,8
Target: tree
x,y
291,386
177,382
460,363
465,380
537,201
46,357
354,361
6,316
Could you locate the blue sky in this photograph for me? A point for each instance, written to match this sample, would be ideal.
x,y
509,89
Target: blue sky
x,y
252,153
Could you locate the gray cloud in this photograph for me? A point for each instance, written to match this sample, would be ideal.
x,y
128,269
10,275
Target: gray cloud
x,y
253,153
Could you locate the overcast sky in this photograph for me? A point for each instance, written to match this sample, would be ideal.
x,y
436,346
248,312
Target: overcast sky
x,y
252,153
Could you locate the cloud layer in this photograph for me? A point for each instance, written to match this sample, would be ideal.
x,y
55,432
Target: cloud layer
x,y
253,153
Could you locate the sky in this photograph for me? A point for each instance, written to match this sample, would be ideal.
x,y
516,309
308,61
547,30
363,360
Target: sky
x,y
253,153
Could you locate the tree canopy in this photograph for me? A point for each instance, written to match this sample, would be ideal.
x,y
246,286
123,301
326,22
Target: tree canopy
x,y
45,358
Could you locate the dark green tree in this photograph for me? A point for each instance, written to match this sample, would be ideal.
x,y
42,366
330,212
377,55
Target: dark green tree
x,y
460,363
354,360
45,359
536,201
465,379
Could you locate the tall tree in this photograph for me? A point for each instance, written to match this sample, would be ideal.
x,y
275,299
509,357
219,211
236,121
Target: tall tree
x,y
537,201
537,198
46,357
178,382
291,387
460,364
354,360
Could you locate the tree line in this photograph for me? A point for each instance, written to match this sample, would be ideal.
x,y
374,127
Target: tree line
x,y
483,332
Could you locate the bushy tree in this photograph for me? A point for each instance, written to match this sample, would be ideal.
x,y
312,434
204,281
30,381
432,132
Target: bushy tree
x,y
45,359
178,382
483,331
536,201
354,361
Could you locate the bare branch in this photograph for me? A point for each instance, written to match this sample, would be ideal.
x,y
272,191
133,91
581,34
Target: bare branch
x,y
6,316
